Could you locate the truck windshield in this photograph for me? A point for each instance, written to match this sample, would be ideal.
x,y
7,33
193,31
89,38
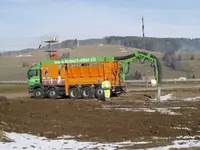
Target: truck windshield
x,y
32,73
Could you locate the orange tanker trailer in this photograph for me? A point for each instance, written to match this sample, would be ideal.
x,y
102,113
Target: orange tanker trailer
x,y
80,79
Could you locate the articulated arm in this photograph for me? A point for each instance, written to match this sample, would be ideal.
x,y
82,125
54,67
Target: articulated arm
x,y
141,56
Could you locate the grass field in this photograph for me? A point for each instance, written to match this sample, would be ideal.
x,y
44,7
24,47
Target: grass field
x,y
13,88
11,66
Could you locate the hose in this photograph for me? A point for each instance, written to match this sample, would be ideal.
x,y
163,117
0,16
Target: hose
x,y
158,64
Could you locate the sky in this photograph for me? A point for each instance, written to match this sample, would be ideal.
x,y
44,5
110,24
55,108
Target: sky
x,y
24,22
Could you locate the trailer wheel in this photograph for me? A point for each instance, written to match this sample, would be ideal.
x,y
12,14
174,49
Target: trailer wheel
x,y
74,93
38,93
52,93
86,92
99,93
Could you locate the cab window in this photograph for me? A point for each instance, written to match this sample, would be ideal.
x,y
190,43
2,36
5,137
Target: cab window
x,y
32,73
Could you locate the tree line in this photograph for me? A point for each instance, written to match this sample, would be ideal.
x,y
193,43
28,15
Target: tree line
x,y
155,44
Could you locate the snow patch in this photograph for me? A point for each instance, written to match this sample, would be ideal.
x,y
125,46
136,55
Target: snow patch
x,y
192,99
178,144
151,110
65,137
166,111
30,142
166,97
136,109
181,128
123,50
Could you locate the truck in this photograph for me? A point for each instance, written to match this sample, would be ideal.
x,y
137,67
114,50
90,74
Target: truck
x,y
82,77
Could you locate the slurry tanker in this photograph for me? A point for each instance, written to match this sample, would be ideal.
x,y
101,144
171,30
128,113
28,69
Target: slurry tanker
x,y
82,77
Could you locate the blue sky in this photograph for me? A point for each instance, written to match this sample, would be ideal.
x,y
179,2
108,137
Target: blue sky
x,y
24,22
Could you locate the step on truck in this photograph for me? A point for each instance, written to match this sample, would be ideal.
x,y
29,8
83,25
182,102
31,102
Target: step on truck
x,y
82,77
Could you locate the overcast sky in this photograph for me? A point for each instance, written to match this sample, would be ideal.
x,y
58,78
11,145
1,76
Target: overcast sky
x,y
23,22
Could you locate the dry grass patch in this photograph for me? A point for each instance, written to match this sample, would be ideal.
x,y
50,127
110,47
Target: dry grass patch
x,y
3,138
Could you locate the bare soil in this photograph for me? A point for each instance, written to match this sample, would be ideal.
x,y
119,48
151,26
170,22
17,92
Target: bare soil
x,y
104,121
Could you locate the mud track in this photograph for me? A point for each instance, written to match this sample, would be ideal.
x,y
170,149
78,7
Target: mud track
x,y
121,119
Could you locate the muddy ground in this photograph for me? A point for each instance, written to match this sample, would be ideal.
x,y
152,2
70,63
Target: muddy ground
x,y
134,116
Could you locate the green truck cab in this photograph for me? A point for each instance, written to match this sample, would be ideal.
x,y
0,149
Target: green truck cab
x,y
33,75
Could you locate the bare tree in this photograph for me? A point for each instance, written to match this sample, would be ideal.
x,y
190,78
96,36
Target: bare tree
x,y
192,57
65,55
179,57
25,64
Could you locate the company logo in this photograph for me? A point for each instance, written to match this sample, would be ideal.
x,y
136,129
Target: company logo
x,y
76,60
46,72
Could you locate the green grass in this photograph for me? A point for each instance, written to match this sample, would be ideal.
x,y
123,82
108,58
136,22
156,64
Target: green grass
x,y
3,138
13,88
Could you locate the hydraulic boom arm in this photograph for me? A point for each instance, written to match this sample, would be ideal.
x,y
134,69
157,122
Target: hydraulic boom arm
x,y
141,56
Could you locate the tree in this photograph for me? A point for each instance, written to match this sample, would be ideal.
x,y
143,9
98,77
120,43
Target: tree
x,y
192,57
65,55
156,44
179,57
172,65
25,64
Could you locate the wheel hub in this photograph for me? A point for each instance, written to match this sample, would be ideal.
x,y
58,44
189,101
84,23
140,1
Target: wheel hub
x,y
85,92
100,91
38,93
73,93
52,93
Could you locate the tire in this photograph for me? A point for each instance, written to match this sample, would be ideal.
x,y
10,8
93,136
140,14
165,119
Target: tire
x,y
74,93
52,93
99,93
86,92
38,93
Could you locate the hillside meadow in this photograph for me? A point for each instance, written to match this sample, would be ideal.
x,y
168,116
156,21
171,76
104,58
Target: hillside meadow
x,y
12,66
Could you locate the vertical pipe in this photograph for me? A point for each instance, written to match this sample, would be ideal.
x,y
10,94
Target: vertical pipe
x,y
158,93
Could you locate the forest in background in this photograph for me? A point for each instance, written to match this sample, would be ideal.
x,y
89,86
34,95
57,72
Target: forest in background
x,y
155,44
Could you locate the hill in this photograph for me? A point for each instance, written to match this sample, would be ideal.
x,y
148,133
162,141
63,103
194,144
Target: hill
x,y
151,44
60,45
14,67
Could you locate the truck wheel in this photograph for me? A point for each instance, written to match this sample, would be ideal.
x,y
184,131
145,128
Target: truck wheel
x,y
38,93
52,93
99,94
74,93
86,92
